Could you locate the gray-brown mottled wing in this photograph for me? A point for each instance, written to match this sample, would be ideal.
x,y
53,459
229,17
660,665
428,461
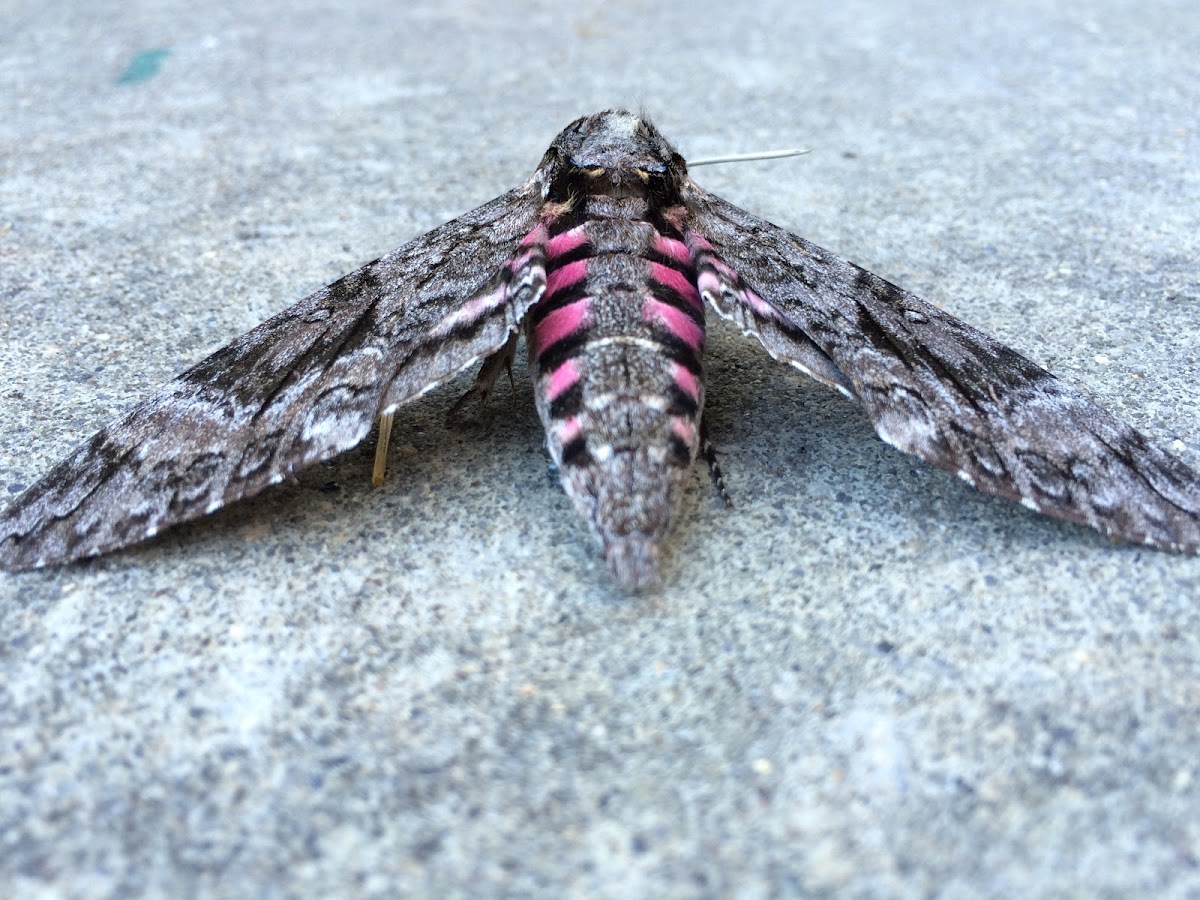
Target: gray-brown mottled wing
x,y
936,387
300,388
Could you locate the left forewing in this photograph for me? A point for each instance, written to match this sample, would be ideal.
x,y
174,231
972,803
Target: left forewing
x,y
299,388
938,388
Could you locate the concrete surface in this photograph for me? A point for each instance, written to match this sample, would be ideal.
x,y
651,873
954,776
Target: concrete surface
x,y
865,680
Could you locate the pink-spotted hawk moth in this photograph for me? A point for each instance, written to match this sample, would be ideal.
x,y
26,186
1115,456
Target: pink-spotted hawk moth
x,y
604,260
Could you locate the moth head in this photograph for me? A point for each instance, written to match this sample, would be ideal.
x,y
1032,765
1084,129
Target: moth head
x,y
614,153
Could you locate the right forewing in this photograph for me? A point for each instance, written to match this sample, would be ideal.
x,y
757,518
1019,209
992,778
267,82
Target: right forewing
x,y
938,388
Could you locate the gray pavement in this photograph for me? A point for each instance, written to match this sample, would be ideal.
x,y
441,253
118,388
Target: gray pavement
x,y
864,680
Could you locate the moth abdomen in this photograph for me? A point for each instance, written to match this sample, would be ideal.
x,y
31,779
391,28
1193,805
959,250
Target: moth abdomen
x,y
616,344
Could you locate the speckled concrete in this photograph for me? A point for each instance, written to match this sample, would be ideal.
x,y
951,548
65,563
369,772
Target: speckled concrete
x,y
865,679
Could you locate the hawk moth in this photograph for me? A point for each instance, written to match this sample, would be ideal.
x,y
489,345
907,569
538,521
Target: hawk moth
x,y
605,259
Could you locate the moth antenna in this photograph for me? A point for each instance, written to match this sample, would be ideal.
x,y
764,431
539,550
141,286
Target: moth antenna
x,y
381,447
746,157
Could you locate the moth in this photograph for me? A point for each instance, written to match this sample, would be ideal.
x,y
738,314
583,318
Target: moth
x,y
605,261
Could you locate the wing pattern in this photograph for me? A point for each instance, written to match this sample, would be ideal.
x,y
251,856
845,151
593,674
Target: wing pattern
x,y
939,389
297,389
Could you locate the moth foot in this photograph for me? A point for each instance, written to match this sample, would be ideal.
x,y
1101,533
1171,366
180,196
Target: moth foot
x,y
477,395
709,452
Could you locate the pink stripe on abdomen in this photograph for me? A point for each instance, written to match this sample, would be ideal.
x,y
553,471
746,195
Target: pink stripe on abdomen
x,y
677,282
562,379
673,249
686,381
537,236
569,429
677,322
566,242
561,323
684,429
570,274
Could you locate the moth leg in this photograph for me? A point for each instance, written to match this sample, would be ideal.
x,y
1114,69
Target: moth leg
x,y
709,452
381,447
489,373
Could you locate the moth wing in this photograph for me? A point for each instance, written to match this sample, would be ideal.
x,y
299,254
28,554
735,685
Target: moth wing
x,y
301,387
937,388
